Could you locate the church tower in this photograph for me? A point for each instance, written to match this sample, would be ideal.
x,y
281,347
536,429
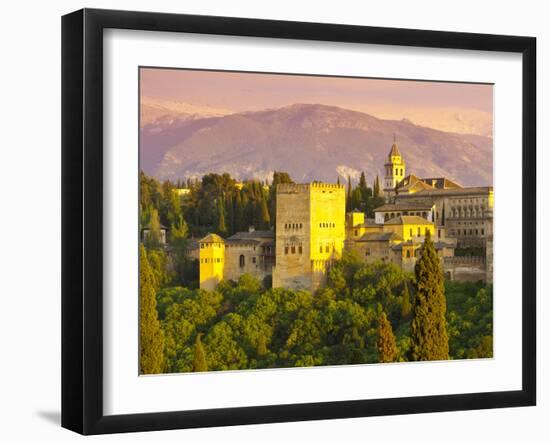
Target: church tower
x,y
394,171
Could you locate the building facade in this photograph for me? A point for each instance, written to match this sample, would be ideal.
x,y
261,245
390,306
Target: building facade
x,y
312,230
394,171
310,233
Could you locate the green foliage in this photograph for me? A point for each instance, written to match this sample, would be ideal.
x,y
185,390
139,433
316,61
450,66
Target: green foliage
x,y
153,238
387,348
199,359
406,302
470,319
151,337
245,325
429,325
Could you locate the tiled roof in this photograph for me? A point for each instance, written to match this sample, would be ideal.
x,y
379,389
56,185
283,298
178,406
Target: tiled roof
x,y
252,235
441,183
408,219
412,206
380,236
212,238
394,151
481,190
242,241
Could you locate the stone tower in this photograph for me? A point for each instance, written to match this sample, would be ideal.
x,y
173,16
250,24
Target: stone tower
x,y
211,261
309,234
394,171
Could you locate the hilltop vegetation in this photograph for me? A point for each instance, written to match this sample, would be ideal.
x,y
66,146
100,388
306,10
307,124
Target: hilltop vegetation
x,y
243,325
366,313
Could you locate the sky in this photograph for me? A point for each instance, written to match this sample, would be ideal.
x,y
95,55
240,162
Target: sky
x,y
251,91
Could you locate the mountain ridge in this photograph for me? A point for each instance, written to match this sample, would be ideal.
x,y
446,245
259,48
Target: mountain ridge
x,y
311,142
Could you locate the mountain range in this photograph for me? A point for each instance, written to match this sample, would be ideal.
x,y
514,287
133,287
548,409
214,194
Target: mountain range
x,y
310,141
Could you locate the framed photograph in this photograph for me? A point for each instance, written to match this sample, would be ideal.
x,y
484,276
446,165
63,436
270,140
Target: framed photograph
x,y
269,221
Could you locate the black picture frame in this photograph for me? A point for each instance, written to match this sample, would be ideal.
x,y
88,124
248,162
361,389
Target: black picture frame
x,y
82,218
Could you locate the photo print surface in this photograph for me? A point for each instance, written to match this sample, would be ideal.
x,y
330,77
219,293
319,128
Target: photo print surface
x,y
296,221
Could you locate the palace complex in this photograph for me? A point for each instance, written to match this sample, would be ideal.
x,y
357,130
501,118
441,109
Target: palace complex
x,y
312,230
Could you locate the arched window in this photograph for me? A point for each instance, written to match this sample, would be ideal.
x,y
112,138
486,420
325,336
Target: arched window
x,y
241,261
408,254
386,217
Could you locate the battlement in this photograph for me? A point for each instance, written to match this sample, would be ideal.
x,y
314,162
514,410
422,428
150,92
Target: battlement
x,y
295,188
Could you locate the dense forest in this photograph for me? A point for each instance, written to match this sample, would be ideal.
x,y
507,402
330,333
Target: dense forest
x,y
366,313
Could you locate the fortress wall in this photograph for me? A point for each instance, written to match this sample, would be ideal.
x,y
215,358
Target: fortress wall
x,y
292,269
310,232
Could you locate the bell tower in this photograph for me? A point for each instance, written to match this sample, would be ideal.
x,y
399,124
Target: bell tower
x,y
394,171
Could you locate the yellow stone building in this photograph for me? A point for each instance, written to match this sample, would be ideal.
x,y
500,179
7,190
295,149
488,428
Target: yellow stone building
x,y
394,170
310,233
312,230
211,261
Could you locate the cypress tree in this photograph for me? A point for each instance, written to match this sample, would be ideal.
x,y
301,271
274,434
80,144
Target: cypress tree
x,y
429,326
348,202
199,357
387,349
222,227
265,219
239,213
363,181
406,303
230,210
377,186
151,336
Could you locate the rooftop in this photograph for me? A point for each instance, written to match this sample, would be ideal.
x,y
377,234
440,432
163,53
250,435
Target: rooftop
x,y
405,206
212,238
408,220
248,235
478,190
394,151
380,236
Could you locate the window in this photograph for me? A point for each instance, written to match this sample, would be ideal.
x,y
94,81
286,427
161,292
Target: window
x,y
439,232
356,232
299,249
321,249
418,232
483,232
327,249
286,250
241,261
427,231
293,250
367,252
253,259
408,253
411,232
